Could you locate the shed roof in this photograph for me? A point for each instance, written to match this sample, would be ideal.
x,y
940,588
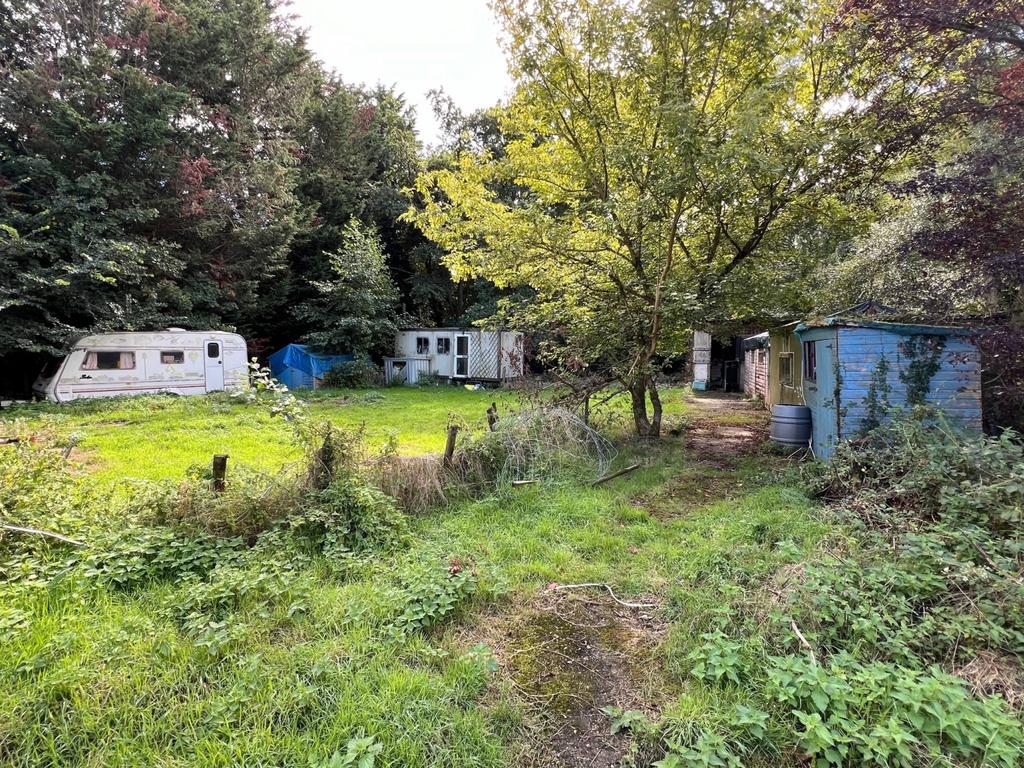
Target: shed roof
x,y
757,341
866,314
903,329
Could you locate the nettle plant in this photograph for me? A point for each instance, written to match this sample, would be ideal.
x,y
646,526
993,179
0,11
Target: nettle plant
x,y
846,712
854,665
430,594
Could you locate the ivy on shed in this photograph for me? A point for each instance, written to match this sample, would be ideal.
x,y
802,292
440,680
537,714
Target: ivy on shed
x,y
924,354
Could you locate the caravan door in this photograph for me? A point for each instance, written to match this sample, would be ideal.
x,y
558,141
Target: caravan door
x,y
214,356
461,356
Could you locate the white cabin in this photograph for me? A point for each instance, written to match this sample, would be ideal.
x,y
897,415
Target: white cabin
x,y
174,361
460,354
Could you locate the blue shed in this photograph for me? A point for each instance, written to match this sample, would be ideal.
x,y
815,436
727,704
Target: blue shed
x,y
856,371
297,367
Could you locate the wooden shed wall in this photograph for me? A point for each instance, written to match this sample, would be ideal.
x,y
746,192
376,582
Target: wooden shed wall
x,y
785,341
955,387
755,373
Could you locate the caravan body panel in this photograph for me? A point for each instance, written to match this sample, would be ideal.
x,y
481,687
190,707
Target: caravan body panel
x,y
460,354
139,363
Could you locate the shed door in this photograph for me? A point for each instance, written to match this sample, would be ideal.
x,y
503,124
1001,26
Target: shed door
x,y
213,354
462,355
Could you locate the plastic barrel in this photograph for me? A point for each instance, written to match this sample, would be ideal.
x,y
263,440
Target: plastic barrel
x,y
791,425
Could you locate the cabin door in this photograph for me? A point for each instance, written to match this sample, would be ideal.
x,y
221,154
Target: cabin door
x,y
461,356
214,357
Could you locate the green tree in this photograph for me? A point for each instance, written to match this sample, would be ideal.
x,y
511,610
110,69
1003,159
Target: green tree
x,y
662,148
85,141
354,311
147,164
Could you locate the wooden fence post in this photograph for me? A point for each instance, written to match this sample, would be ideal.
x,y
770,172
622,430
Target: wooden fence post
x,y
449,446
220,469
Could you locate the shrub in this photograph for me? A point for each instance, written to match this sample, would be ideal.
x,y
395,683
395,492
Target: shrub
x,y
38,491
847,712
930,471
430,379
859,713
142,555
203,607
347,517
251,501
919,597
544,444
931,577
353,373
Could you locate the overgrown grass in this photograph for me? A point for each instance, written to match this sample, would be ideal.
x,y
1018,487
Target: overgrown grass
x,y
160,437
339,628
105,678
205,669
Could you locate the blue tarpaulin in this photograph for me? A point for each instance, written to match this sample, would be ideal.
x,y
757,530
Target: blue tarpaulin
x,y
297,367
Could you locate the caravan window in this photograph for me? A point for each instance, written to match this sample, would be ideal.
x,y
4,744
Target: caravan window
x,y
444,346
108,361
422,345
172,358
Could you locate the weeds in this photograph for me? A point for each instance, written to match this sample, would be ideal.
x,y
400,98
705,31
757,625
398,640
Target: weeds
x,y
855,665
430,594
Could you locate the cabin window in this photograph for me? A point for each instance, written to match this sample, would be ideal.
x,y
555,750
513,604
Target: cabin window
x,y
444,346
212,349
810,361
786,369
174,357
422,345
108,361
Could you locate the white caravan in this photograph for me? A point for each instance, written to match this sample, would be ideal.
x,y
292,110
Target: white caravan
x,y
174,361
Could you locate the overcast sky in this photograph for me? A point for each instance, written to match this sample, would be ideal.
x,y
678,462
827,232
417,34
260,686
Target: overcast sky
x,y
414,45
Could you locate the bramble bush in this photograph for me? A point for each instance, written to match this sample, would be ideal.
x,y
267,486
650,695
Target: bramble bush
x,y
856,666
921,468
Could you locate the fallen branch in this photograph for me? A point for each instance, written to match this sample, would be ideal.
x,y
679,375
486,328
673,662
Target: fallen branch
x,y
38,532
803,641
556,587
613,475
995,567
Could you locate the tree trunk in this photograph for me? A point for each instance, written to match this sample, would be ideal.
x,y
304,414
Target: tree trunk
x,y
655,430
638,394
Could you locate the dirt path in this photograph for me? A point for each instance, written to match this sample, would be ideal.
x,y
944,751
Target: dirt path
x,y
724,429
723,435
571,654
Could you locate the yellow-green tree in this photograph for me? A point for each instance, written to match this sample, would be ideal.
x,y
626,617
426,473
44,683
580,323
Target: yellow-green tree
x,y
656,149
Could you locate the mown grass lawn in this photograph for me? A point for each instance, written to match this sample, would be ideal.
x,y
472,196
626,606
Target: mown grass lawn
x,y
160,437
294,669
